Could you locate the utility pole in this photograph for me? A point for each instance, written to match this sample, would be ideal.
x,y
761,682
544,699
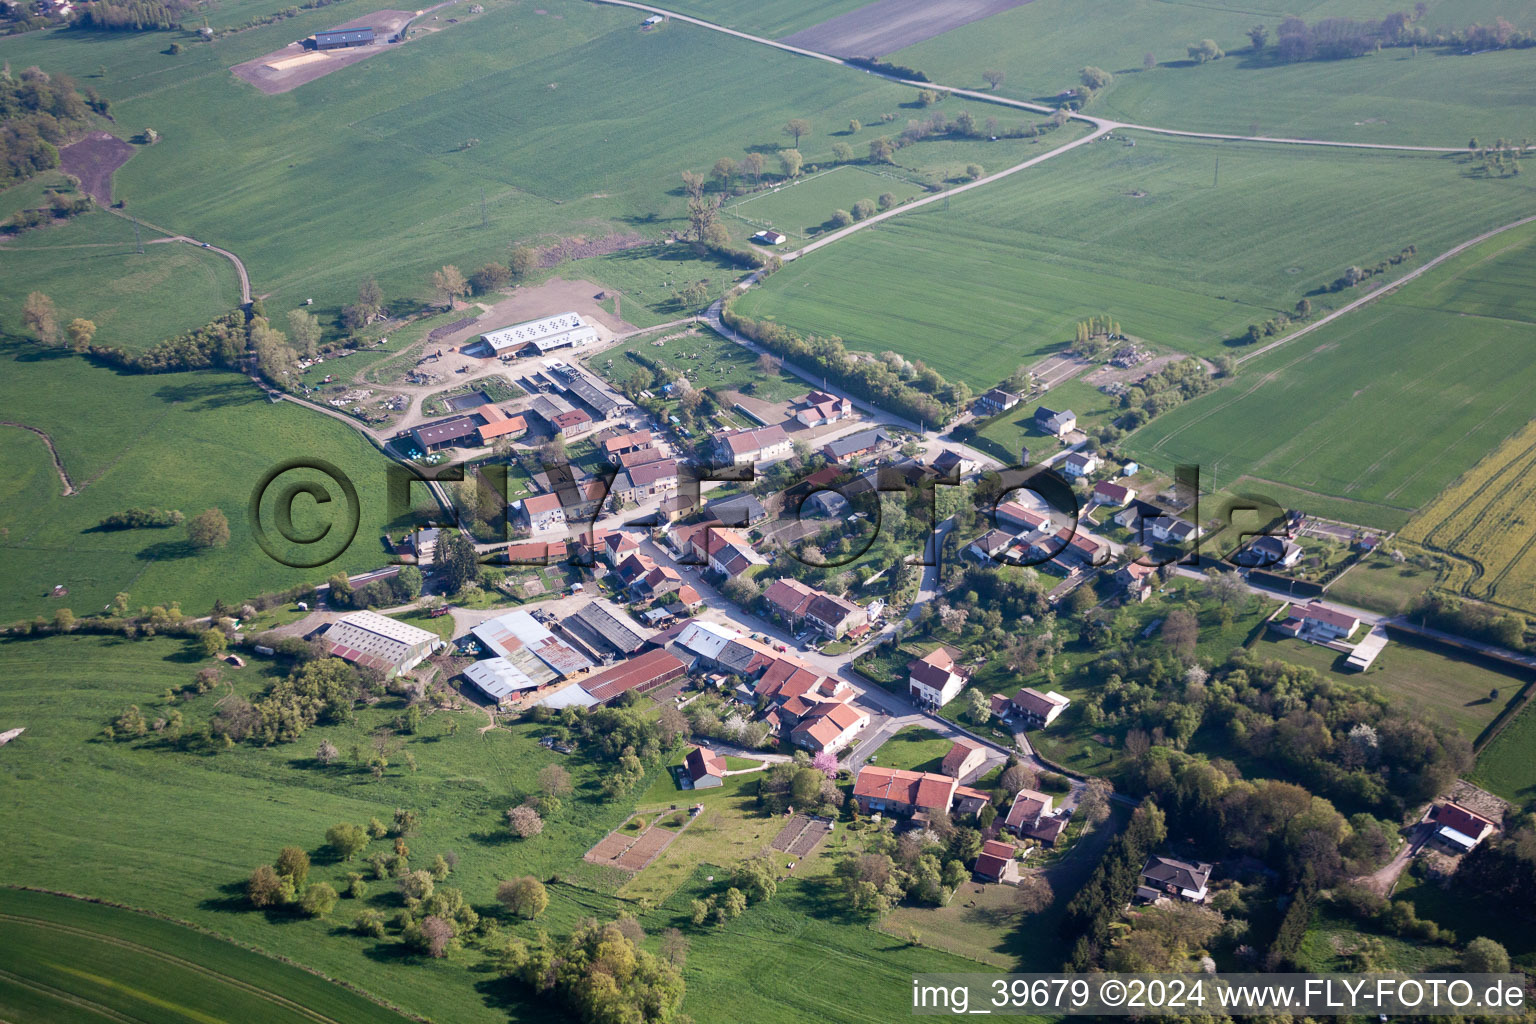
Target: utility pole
x,y
138,243
1216,178
484,222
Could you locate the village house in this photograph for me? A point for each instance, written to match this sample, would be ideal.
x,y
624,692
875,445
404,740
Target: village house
x,y
661,580
539,512
935,679
1106,493
1316,622
1169,876
963,758
1031,816
741,510
1057,424
1269,552
1024,520
1039,709
1136,581
730,554
858,446
633,567
990,546
1458,829
752,445
638,483
820,408
1068,550
624,444
1078,465
950,462
897,791
829,727
705,768
618,545
994,402
996,863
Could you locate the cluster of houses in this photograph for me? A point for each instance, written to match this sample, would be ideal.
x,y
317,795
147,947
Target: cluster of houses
x,y
1025,536
796,605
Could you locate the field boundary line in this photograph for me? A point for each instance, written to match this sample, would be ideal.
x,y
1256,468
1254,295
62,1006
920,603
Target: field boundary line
x,y
231,980
58,464
69,998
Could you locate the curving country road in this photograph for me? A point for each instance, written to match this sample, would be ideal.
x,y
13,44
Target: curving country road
x,y
171,236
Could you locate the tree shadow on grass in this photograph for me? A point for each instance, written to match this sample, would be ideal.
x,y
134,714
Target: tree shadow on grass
x,y
232,899
166,550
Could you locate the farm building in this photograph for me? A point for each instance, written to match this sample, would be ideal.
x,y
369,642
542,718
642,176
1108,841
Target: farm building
x,y
754,444
518,632
865,442
1459,829
601,632
738,510
498,424
459,432
499,679
377,641
962,759
642,673
566,330
575,385
767,237
820,407
342,38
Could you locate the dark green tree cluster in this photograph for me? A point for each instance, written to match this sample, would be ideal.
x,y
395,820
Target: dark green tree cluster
x,y
222,343
1503,870
61,207
38,113
799,786
1343,38
1171,386
383,593
599,974
320,691
1471,620
131,16
141,519
1097,904
924,866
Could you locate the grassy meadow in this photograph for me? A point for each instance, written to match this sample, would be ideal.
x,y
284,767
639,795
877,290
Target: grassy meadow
x,y
350,176
91,269
1369,418
178,832
1153,233
188,441
69,960
1433,97
805,207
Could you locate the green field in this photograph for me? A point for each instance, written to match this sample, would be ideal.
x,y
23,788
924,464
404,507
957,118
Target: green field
x,y
550,97
1507,766
779,18
69,960
187,441
914,748
1381,585
705,358
1370,417
805,207
1148,233
1445,688
1433,98
135,299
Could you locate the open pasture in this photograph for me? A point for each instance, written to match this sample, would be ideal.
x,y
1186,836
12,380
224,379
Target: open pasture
x,y
1154,233
522,127
1372,416
68,960
1433,97
805,207
135,299
188,441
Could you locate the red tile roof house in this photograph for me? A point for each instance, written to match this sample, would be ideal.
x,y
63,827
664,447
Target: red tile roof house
x,y
962,759
1459,829
705,768
997,864
789,599
1025,520
820,408
1136,581
634,567
661,580
829,727
624,443
540,512
1032,817
1106,493
755,444
730,554
835,616
617,545
1039,709
935,679
1317,622
897,791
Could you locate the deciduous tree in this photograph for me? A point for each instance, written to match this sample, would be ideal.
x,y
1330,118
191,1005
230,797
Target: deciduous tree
x,y
208,529
449,284
790,161
41,318
81,334
526,896
524,821
796,128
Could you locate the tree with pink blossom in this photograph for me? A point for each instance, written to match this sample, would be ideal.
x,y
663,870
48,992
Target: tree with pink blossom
x,y
826,763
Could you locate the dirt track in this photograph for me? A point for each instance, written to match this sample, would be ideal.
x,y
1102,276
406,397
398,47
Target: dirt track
x,y
886,26
92,160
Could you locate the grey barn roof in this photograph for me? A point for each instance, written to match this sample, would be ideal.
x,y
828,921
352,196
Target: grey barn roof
x,y
597,627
